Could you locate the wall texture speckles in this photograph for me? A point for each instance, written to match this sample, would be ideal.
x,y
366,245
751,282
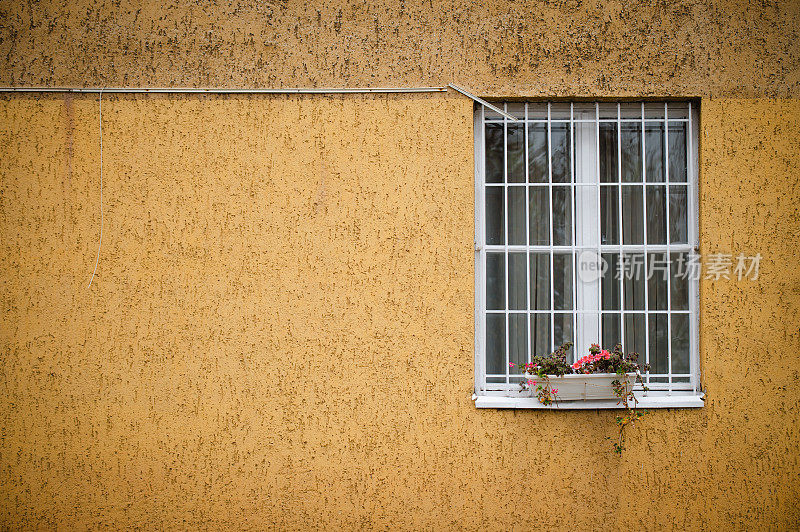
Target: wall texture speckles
x,y
280,331
280,334
553,48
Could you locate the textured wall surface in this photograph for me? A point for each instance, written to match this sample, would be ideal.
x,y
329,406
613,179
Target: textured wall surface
x,y
280,332
502,47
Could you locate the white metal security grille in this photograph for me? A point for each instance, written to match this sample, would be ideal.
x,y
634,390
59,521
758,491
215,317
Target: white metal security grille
x,y
562,190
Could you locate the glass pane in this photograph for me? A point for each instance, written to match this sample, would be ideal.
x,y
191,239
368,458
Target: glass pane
x,y
657,271
540,281
562,216
537,153
678,110
658,343
608,110
632,219
562,281
631,110
516,153
677,152
611,331
517,281
537,111
656,215
631,152
609,214
609,283
496,343
540,334
583,111
679,284
678,214
539,213
495,281
518,338
633,276
516,216
559,136
516,110
562,331
609,173
680,343
494,153
635,336
495,216
560,110
654,149
654,110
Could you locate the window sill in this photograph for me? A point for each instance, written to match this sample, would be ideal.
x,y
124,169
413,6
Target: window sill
x,y
651,401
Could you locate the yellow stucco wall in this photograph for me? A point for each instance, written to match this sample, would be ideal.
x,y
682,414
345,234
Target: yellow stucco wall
x,y
280,333
281,328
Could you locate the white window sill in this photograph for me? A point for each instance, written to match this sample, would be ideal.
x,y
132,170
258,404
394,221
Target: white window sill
x,y
652,400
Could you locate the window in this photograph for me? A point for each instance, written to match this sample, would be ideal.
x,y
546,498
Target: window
x,y
585,219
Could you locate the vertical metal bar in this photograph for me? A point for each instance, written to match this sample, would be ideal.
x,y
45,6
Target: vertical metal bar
x,y
550,189
644,253
668,257
505,241
528,281
619,257
599,216
573,252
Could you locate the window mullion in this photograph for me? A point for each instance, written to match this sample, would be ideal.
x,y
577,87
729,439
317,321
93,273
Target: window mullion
x,y
644,254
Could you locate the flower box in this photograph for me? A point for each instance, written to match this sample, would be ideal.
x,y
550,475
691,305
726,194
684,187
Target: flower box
x,y
586,387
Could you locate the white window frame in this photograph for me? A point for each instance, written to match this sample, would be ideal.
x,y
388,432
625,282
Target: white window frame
x,y
658,396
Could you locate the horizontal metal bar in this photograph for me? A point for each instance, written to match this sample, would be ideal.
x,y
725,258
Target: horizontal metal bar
x,y
170,90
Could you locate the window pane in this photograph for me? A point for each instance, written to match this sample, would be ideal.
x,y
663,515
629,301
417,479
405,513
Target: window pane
x,y
562,281
516,153
609,283
679,284
562,330
495,343
608,152
540,334
495,216
631,153
654,110
537,153
680,343
635,336
611,331
517,281
678,214
516,216
495,281
539,213
632,219
677,152
633,276
657,281
609,214
562,216
494,153
654,150
656,216
518,338
540,281
559,136
658,343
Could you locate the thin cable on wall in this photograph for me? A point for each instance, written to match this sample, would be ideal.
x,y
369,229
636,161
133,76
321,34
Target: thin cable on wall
x,y
100,243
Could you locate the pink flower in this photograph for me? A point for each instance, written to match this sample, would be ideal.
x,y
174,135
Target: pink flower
x,y
510,364
605,354
555,391
576,365
531,382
